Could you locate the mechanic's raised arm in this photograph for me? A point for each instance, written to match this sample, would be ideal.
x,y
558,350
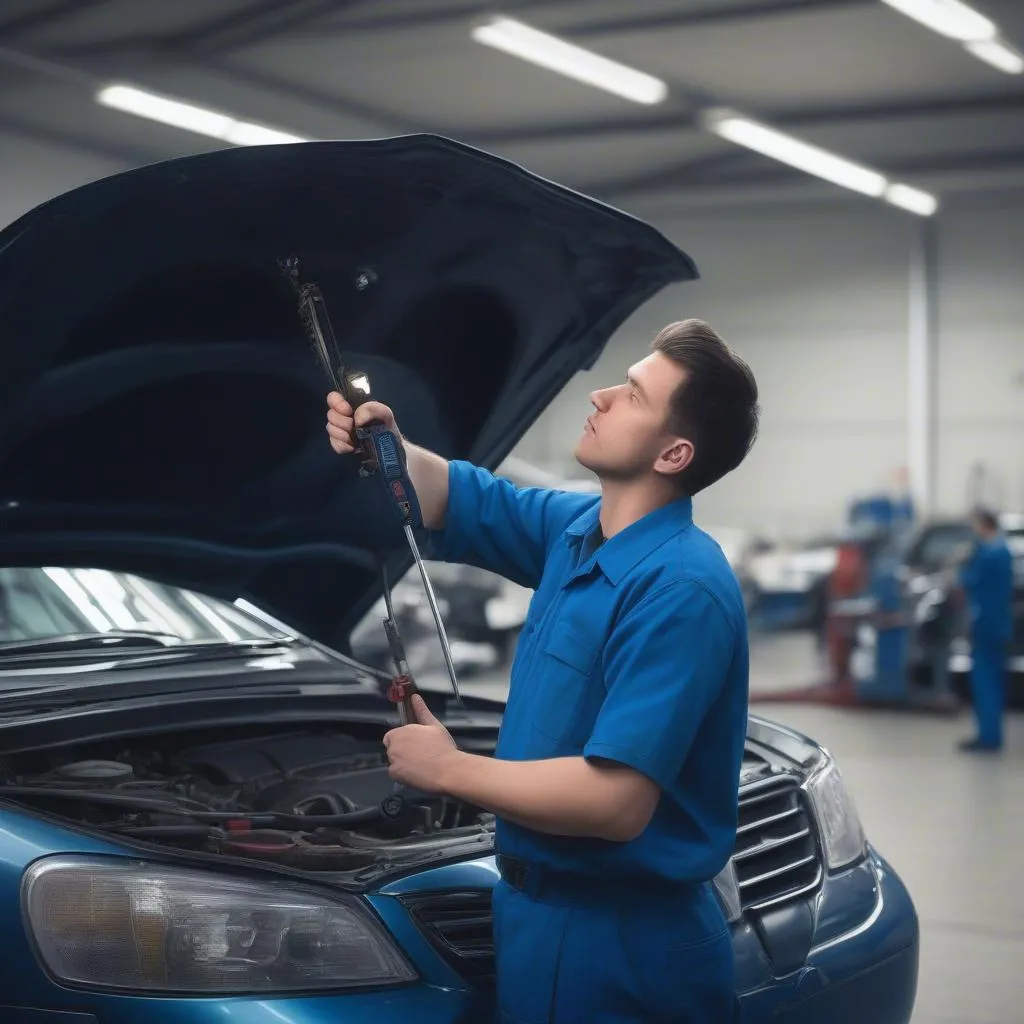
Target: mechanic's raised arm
x,y
474,517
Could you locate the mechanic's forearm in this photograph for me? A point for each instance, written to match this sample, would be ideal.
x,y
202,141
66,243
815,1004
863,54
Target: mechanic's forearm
x,y
429,475
566,796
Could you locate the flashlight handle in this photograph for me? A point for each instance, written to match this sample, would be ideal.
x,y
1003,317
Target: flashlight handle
x,y
384,450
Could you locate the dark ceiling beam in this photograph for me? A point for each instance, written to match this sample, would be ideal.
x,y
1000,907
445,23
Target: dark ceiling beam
x,y
945,106
88,75
811,117
326,101
431,14
78,141
252,24
41,17
713,14
677,174
699,174
422,17
639,124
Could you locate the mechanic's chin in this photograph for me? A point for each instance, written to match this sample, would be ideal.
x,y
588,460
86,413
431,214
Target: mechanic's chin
x,y
585,454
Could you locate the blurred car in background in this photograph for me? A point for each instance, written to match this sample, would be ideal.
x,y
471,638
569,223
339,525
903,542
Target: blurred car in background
x,y
789,582
483,612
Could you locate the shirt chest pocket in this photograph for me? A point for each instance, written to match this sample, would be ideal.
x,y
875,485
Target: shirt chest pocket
x,y
569,689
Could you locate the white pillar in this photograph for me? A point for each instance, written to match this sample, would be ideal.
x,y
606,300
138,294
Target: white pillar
x,y
921,368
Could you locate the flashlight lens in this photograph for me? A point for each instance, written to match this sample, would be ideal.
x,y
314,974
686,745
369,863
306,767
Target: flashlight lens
x,y
360,382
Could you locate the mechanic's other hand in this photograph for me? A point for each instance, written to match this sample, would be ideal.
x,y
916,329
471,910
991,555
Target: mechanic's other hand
x,y
419,754
341,422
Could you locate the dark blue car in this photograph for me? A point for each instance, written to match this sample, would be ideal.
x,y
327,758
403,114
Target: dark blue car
x,y
196,820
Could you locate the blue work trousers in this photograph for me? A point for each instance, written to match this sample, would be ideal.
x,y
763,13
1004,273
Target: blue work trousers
x,y
988,690
613,960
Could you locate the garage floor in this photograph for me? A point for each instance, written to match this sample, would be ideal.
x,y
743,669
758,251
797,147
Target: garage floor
x,y
952,825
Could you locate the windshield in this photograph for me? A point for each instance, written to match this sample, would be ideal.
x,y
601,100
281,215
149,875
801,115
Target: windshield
x,y
936,545
50,601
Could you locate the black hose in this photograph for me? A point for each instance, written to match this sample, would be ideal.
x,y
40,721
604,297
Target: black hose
x,y
389,808
364,816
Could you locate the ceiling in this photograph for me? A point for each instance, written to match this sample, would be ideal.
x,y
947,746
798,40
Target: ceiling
x,y
851,75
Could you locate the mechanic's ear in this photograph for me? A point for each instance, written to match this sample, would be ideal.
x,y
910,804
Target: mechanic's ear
x,y
675,458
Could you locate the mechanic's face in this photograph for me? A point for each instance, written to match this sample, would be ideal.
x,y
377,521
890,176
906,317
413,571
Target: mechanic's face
x,y
627,436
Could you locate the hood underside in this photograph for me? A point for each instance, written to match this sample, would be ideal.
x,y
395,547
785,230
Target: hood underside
x,y
161,411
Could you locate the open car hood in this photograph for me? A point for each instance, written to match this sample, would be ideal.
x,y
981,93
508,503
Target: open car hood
x,y
161,411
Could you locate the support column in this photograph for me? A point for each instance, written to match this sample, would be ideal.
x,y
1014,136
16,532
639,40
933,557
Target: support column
x,y
922,345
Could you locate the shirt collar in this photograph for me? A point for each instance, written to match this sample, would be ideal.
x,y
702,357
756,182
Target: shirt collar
x,y
621,553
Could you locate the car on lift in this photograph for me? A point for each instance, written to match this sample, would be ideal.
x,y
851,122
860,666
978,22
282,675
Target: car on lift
x,y
920,572
196,818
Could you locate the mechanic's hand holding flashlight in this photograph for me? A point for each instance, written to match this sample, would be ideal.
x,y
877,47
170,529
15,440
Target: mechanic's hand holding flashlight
x,y
341,423
427,471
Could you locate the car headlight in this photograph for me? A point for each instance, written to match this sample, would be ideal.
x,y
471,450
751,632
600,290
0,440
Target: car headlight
x,y
837,818
123,924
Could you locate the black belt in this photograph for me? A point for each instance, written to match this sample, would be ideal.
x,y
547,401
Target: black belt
x,y
541,882
513,871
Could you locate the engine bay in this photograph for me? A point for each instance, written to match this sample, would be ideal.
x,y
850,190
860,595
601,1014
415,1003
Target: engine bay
x,y
320,801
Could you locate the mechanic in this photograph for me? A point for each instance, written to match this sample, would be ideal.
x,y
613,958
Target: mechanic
x,y
615,778
987,579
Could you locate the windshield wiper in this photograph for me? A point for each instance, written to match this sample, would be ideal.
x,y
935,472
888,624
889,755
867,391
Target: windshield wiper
x,y
133,652
89,642
211,651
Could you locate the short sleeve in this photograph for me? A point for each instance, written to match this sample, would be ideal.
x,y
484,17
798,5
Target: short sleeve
x,y
665,664
492,524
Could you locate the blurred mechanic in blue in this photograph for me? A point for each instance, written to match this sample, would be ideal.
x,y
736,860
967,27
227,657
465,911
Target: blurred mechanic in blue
x,y
615,777
987,579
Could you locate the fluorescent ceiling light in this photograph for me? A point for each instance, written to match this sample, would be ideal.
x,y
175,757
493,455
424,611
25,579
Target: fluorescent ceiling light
x,y
190,117
913,199
951,18
789,150
999,54
556,54
821,163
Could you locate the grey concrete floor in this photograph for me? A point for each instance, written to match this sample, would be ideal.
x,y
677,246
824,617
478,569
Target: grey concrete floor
x,y
952,826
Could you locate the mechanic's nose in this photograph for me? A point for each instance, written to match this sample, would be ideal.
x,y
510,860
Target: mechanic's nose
x,y
600,399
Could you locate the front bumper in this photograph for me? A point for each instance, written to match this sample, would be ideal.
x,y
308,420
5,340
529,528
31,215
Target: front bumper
x,y
866,972
424,1004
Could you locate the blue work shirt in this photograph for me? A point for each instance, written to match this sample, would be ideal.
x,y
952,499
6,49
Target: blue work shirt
x,y
634,651
988,580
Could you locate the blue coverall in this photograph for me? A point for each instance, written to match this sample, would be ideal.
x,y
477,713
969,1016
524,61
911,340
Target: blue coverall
x,y
634,651
988,581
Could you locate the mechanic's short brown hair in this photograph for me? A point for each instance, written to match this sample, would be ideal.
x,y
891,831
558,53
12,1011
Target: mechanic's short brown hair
x,y
715,407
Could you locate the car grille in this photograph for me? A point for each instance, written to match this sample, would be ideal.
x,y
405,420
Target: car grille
x,y
459,926
777,857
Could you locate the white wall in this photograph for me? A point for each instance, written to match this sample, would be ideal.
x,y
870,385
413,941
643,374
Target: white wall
x,y
981,353
815,297
32,172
